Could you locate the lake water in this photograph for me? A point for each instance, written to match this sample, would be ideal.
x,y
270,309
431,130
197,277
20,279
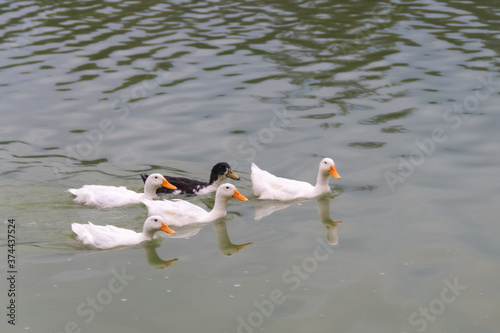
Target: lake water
x,y
403,95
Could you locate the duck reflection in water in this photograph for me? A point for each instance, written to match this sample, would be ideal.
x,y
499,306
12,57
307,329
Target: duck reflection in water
x,y
323,204
263,209
266,208
153,259
226,248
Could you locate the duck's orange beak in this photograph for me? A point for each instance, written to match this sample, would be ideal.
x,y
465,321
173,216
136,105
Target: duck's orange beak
x,y
165,228
239,196
168,185
333,172
239,247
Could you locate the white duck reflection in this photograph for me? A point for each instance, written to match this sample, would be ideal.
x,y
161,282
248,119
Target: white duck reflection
x,y
323,205
226,247
154,260
263,209
266,208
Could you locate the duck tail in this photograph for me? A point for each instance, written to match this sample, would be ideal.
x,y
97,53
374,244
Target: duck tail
x,y
255,168
144,177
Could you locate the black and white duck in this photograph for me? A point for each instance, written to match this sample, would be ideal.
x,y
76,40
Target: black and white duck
x,y
219,172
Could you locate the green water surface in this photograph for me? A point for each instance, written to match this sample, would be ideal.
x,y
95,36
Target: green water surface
x,y
403,95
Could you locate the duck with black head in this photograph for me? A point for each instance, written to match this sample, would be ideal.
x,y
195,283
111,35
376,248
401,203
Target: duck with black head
x,y
219,172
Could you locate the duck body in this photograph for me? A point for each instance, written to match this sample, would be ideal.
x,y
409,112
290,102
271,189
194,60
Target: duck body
x,y
116,196
188,186
270,187
178,212
106,196
109,236
181,213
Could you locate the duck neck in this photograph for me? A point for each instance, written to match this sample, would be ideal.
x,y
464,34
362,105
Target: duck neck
x,y
322,183
147,233
213,184
215,179
219,209
222,236
149,191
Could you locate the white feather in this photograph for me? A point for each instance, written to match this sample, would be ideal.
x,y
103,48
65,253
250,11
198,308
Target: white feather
x,y
181,213
113,196
270,187
108,236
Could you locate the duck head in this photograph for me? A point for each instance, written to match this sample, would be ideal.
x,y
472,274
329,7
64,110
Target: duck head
x,y
221,171
327,166
228,191
155,223
156,180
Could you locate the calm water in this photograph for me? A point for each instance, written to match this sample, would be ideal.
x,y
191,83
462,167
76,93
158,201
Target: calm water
x,y
403,95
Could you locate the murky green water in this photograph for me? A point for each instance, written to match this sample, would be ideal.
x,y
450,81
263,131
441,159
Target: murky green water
x,y
402,94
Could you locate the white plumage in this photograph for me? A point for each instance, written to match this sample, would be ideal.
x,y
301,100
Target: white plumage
x,y
105,237
181,212
113,196
270,187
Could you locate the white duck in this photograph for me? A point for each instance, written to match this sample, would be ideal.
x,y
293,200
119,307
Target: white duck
x,y
180,212
269,187
112,196
106,237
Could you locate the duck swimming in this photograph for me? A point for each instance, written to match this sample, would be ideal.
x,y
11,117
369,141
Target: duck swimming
x,y
112,196
219,172
269,187
109,236
181,213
